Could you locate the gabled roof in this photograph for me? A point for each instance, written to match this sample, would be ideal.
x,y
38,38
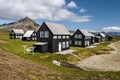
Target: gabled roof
x,y
28,33
20,31
102,34
57,29
97,36
86,33
92,34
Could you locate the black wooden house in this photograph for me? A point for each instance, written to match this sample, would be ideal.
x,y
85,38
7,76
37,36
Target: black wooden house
x,y
102,36
30,35
55,35
82,38
16,34
109,37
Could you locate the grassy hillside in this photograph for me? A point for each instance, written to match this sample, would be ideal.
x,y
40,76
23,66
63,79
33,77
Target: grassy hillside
x,y
15,47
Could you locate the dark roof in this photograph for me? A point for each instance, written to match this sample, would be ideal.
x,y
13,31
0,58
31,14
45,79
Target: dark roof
x,y
57,29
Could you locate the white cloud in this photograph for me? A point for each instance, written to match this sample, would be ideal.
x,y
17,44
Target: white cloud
x,y
82,10
111,29
54,10
72,4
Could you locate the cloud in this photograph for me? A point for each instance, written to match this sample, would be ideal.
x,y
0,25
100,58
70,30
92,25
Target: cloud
x,y
72,4
54,10
82,10
111,29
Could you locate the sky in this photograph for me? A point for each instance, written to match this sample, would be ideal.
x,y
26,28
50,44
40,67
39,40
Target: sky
x,y
92,15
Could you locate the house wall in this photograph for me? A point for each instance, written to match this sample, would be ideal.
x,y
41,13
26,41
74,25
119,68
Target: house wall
x,y
48,40
56,44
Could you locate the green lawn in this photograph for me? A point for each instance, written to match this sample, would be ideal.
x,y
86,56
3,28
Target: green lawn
x,y
15,47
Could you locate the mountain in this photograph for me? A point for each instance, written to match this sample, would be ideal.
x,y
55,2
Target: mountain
x,y
25,24
114,33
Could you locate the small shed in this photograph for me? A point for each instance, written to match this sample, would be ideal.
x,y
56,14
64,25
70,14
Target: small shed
x,y
30,36
40,47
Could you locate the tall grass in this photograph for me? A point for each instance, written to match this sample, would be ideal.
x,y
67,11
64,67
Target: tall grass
x,y
14,46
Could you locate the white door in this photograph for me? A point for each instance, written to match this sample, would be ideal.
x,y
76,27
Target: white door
x,y
59,46
88,43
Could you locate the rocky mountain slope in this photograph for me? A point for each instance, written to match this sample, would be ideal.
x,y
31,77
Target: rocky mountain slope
x,y
25,23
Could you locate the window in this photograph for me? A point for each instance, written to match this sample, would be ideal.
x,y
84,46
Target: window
x,y
67,37
67,43
63,44
76,42
46,34
63,37
75,35
34,34
35,38
87,43
79,43
87,37
59,37
41,34
12,36
79,36
54,37
12,33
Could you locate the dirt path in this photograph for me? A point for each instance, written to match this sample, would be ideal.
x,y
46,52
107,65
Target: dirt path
x,y
15,68
108,62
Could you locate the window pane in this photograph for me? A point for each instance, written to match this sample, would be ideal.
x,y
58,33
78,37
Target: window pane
x,y
67,36
63,37
76,42
59,37
63,44
75,35
46,34
41,34
79,42
67,43
79,36
54,37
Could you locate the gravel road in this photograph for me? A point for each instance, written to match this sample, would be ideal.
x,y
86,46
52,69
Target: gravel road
x,y
106,62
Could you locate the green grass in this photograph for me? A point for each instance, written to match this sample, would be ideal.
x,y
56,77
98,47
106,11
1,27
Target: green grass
x,y
14,46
